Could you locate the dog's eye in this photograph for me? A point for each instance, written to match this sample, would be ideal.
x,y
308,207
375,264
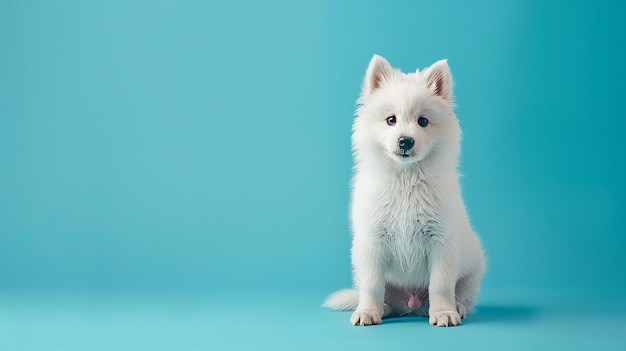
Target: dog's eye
x,y
391,120
422,121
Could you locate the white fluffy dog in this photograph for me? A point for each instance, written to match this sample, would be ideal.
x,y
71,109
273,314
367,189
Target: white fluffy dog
x,y
414,251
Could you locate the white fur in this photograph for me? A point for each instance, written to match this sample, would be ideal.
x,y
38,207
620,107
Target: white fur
x,y
414,251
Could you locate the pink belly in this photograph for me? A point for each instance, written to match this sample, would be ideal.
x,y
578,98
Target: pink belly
x,y
414,301
412,298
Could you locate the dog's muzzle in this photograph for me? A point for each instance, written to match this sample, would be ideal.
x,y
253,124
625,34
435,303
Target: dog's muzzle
x,y
404,145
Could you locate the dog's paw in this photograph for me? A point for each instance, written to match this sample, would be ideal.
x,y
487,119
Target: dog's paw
x,y
461,309
365,317
445,318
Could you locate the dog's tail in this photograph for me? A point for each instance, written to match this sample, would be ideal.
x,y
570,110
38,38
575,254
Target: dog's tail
x,y
343,300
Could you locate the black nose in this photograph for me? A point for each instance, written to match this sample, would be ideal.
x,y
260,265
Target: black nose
x,y
405,143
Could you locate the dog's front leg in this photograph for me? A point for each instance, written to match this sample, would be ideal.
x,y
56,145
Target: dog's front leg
x,y
369,274
443,276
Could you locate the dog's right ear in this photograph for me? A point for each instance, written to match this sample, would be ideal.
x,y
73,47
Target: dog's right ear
x,y
378,71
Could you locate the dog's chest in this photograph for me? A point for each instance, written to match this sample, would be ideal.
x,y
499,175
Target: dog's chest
x,y
410,224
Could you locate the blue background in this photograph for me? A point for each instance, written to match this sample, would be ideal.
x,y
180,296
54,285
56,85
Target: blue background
x,y
175,174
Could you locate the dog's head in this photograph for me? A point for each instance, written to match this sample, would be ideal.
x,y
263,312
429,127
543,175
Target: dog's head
x,y
405,116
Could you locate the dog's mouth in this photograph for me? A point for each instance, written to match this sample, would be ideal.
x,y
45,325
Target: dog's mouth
x,y
404,156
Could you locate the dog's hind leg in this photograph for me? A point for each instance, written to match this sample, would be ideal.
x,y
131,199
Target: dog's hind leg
x,y
466,291
388,311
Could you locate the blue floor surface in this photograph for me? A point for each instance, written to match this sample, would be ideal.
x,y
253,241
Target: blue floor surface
x,y
294,321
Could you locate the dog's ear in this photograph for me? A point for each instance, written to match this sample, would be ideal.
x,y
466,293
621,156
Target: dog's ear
x,y
439,79
378,71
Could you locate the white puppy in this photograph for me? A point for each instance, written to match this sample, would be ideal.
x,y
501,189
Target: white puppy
x,y
414,251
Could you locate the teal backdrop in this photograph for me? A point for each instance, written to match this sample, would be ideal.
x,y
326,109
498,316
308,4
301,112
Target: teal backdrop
x,y
202,148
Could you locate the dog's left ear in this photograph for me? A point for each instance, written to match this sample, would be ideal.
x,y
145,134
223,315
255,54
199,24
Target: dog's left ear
x,y
439,79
